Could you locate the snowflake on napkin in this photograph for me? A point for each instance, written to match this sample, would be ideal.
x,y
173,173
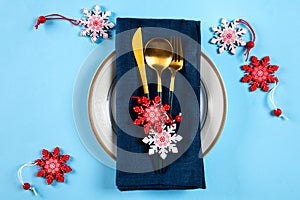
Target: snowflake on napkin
x,y
151,114
96,23
53,165
158,125
228,36
163,142
259,73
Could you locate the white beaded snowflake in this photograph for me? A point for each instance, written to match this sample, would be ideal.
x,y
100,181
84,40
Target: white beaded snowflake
x,y
228,36
96,23
164,142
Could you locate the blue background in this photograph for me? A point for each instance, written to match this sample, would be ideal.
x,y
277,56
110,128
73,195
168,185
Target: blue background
x,y
257,155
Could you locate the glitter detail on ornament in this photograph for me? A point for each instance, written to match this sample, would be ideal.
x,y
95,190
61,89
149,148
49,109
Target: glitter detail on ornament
x,y
53,165
164,142
259,73
96,23
228,36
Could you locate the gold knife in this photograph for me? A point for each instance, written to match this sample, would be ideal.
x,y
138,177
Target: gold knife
x,y
138,51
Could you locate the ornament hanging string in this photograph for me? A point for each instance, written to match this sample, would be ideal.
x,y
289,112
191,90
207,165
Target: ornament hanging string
x,y
26,186
277,111
43,19
95,23
249,44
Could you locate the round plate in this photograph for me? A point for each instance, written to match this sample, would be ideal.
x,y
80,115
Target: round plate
x,y
93,115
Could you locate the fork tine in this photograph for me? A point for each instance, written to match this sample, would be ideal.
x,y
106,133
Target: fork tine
x,y
180,51
176,47
171,41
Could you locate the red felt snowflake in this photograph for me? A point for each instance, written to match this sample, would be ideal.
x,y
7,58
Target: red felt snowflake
x,y
151,114
259,73
53,165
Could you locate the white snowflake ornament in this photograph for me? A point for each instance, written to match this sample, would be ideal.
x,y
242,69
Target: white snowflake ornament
x,y
96,23
228,36
163,142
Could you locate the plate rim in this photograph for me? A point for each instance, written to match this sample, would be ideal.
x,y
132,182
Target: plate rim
x,y
225,104
92,85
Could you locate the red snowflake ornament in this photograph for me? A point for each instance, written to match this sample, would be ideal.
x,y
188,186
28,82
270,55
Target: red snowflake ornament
x,y
53,165
259,73
151,114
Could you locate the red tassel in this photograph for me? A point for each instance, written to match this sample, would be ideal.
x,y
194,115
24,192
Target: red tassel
x,y
249,44
43,19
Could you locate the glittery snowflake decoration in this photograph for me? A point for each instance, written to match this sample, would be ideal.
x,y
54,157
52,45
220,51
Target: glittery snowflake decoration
x,y
158,125
151,114
96,23
163,142
259,73
228,36
53,165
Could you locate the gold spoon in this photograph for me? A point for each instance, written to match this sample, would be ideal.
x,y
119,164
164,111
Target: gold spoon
x,y
158,55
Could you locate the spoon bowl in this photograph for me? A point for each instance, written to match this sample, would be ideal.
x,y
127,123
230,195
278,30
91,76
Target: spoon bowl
x,y
158,54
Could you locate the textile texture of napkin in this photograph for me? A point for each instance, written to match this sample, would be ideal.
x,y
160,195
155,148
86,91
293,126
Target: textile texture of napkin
x,y
184,170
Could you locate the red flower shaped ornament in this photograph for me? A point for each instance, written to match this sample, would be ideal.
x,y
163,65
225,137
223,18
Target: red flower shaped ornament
x,y
53,165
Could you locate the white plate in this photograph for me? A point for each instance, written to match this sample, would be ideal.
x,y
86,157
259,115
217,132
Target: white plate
x,y
92,116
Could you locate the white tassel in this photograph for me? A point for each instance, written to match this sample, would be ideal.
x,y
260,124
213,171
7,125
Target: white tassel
x,y
30,164
277,111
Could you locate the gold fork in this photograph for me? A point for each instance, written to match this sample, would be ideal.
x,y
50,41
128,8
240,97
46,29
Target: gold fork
x,y
175,66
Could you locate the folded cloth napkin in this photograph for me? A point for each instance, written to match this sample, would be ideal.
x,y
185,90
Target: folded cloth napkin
x,y
185,169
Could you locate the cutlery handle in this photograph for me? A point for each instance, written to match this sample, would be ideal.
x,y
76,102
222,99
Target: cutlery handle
x,y
171,94
157,163
159,88
161,169
147,95
160,163
172,82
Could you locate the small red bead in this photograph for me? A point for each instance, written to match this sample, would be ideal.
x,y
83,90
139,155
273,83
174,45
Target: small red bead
x,y
145,100
136,109
146,129
250,44
277,112
139,101
159,129
157,99
26,186
178,118
167,107
42,19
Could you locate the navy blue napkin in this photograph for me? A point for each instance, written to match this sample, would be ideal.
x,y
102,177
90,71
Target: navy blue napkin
x,y
135,170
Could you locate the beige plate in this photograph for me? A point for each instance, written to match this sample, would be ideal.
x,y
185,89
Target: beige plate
x,y
100,98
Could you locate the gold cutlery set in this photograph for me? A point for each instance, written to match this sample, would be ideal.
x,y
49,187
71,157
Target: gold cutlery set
x,y
159,54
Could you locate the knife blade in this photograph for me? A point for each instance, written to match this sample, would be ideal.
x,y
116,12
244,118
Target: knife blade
x,y
138,51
